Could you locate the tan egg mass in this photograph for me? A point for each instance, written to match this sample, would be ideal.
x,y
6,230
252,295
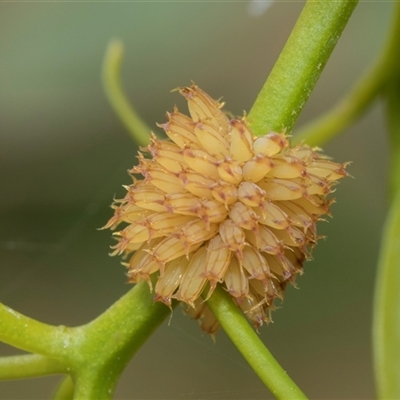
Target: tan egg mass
x,y
218,205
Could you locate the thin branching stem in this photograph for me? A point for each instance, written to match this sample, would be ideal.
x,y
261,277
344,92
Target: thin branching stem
x,y
386,332
29,366
299,66
112,339
386,322
137,128
251,347
95,353
355,102
65,390
30,335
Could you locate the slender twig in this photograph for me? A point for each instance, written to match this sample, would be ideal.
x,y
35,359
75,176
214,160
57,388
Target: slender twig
x,y
30,335
299,66
349,108
251,347
96,353
65,390
386,332
29,366
137,128
386,322
113,338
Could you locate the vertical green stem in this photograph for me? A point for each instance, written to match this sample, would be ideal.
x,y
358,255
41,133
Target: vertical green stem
x,y
386,332
393,112
299,65
386,325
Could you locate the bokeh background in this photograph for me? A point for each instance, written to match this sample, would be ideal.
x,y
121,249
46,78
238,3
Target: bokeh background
x,y
64,155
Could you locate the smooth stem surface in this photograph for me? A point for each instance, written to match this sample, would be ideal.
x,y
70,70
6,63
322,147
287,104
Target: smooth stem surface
x,y
386,321
65,390
360,96
386,332
29,366
95,354
299,66
112,339
28,334
392,89
386,324
393,111
251,347
139,131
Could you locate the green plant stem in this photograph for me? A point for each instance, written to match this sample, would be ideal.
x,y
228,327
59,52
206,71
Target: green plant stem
x,y
96,353
36,337
386,322
360,96
251,347
112,339
277,108
137,128
299,66
393,111
65,390
29,366
386,332
392,92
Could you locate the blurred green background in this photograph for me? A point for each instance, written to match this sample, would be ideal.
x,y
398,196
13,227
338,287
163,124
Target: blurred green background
x,y
64,155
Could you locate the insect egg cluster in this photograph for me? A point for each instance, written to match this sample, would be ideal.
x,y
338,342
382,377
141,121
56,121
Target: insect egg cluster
x,y
216,205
